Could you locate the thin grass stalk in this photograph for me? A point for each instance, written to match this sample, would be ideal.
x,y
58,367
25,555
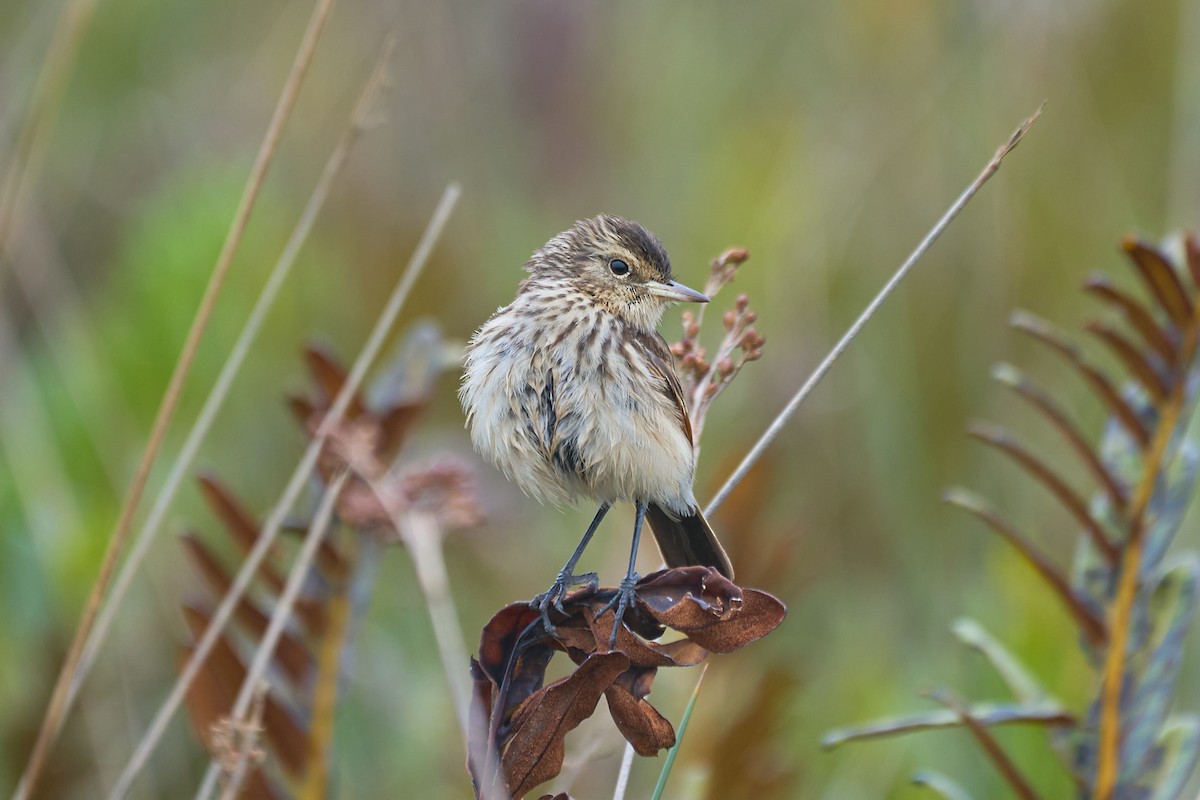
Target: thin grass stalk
x,y
58,707
295,486
661,784
626,769
827,363
34,138
422,535
807,387
266,646
356,126
1121,611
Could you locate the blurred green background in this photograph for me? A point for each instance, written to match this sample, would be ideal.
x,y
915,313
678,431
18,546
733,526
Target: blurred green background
x,y
824,137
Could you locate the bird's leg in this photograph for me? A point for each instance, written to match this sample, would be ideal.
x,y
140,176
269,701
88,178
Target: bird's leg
x,y
552,597
625,592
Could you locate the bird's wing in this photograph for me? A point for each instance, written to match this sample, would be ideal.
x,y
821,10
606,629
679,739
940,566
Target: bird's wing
x,y
662,364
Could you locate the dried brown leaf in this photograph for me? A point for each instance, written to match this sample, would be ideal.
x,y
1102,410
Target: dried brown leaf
x,y
241,526
290,653
1161,279
225,673
639,722
535,752
709,609
329,376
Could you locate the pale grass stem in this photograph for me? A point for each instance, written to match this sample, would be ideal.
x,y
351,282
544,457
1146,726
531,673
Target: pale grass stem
x,y
57,710
807,387
280,616
356,126
33,140
876,303
422,535
273,525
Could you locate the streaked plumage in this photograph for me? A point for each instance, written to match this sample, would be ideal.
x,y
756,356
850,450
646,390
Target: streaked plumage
x,y
572,393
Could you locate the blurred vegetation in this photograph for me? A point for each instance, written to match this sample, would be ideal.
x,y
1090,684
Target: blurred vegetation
x,y
826,138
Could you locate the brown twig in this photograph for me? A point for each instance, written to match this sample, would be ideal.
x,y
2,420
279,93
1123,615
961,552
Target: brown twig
x,y
58,707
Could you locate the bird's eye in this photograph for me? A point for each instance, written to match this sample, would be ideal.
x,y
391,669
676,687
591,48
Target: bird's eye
x,y
618,267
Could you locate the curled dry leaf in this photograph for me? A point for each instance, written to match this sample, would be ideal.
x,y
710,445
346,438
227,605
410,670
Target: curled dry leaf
x,y
518,724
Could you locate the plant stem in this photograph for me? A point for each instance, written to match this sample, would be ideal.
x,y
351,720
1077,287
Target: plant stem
x,y
295,485
803,392
59,703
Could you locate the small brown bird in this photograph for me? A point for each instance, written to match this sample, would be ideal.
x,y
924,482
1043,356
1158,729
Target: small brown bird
x,y
572,393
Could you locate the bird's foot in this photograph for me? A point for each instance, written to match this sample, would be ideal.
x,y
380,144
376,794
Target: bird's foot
x,y
623,601
553,597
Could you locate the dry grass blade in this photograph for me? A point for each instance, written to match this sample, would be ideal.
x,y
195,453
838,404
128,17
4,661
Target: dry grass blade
x,y
1162,281
1131,357
62,695
1136,313
279,618
1089,623
1041,330
1002,441
34,137
292,491
1011,377
781,419
220,390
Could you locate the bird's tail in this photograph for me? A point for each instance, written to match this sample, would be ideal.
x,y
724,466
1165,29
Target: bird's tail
x,y
687,541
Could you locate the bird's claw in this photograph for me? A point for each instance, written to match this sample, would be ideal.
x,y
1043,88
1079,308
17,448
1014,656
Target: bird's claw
x,y
623,601
553,597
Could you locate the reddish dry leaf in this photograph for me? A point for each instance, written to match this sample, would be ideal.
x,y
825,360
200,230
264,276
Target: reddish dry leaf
x,y
225,673
535,752
713,612
1191,246
330,376
241,526
1161,279
290,654
526,722
639,722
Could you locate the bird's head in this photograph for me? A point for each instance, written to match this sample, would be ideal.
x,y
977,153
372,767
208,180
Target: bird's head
x,y
615,263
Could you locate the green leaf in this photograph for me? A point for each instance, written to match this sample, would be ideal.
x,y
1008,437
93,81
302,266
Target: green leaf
x,y
1171,610
1015,675
1180,745
940,785
988,714
1168,505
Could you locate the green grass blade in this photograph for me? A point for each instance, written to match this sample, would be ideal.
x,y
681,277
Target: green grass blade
x,y
674,751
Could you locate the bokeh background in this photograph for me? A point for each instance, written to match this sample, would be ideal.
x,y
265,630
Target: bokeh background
x,y
825,137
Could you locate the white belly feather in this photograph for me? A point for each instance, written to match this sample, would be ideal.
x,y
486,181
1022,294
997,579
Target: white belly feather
x,y
567,419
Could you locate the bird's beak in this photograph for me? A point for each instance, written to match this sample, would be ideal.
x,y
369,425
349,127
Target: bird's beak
x,y
676,291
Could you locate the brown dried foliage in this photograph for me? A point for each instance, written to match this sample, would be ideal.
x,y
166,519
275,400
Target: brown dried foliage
x,y
518,724
297,722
